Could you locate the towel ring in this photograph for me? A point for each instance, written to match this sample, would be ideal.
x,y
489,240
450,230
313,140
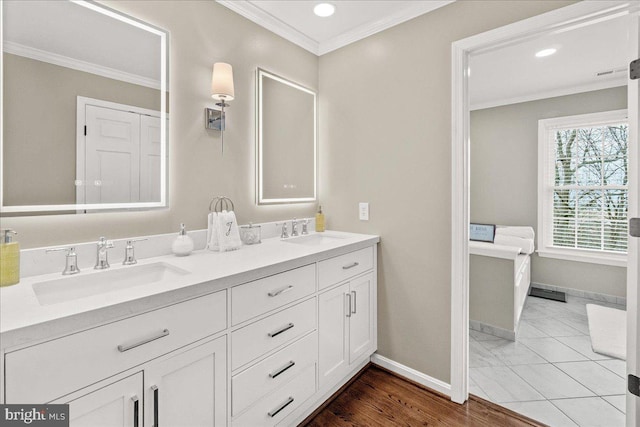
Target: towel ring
x,y
221,203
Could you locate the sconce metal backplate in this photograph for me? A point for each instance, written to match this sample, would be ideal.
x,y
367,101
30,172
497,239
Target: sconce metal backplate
x,y
214,119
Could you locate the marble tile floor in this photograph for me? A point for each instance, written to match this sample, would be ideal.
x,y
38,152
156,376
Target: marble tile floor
x,y
550,373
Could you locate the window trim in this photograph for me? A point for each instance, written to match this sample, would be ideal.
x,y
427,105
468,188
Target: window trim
x,y
545,201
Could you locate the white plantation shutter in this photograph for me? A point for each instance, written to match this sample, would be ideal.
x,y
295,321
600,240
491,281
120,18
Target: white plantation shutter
x,y
582,190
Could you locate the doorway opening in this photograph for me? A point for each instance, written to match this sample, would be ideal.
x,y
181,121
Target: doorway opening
x,y
516,36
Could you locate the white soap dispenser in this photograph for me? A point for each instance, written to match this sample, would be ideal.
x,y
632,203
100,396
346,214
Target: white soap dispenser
x,y
183,245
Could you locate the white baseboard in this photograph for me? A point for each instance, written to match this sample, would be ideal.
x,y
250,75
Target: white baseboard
x,y
475,325
412,374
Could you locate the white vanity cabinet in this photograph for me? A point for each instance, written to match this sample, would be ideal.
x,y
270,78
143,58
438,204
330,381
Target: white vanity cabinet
x,y
117,404
184,388
346,326
346,315
263,352
76,368
274,358
188,388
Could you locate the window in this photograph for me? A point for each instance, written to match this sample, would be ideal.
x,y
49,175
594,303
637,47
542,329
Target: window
x,y
582,187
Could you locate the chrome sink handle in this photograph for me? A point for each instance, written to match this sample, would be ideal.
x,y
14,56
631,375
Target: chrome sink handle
x,y
71,265
304,227
102,259
129,252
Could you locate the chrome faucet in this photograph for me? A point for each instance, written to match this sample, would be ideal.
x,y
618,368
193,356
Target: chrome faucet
x,y
129,252
284,234
102,259
71,265
294,227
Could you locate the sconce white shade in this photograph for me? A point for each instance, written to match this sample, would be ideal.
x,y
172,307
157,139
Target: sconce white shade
x,y
222,82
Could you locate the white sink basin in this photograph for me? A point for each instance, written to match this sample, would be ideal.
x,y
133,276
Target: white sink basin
x,y
95,283
314,239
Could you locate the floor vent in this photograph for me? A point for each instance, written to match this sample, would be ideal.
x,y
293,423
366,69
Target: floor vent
x,y
548,294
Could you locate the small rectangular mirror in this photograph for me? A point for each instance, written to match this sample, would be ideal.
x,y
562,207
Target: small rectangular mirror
x,y
84,104
286,141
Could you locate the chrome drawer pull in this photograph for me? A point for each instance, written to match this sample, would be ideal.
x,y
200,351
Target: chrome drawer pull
x,y
281,330
353,264
355,302
281,370
281,407
123,348
280,291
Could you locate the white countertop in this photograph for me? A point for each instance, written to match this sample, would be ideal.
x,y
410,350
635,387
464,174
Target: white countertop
x,y
24,320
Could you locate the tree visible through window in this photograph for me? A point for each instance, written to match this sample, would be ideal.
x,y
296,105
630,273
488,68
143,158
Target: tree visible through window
x,y
590,187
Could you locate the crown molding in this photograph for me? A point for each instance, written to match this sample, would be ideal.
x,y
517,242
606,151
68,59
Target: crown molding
x,y
587,87
273,24
371,28
79,65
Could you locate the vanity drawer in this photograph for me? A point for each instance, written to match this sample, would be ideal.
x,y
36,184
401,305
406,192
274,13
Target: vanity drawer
x,y
255,298
52,369
260,337
267,375
335,270
275,407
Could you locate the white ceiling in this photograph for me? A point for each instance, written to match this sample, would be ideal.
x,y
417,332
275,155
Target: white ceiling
x,y
501,76
353,20
513,74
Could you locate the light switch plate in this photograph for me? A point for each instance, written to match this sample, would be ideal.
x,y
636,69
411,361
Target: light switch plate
x,y
363,210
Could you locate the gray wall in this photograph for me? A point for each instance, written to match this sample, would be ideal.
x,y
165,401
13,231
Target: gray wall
x,y
491,290
201,33
39,132
504,179
385,138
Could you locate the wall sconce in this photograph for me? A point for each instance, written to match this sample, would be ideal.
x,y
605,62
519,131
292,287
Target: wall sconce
x,y
221,90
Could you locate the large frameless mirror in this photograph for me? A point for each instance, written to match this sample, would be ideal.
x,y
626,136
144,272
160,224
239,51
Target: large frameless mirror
x,y
286,134
84,109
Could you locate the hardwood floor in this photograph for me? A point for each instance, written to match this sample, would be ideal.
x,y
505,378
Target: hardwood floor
x,y
380,398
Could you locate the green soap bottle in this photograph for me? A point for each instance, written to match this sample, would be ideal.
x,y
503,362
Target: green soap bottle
x,y
9,258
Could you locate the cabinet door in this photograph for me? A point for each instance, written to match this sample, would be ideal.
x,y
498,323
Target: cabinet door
x,y
361,320
188,389
116,405
332,330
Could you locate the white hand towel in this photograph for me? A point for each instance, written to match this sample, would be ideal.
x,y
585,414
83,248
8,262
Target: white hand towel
x,y
212,232
526,245
522,232
228,233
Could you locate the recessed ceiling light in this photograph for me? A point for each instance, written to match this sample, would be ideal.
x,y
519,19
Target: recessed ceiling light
x,y
324,9
546,52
